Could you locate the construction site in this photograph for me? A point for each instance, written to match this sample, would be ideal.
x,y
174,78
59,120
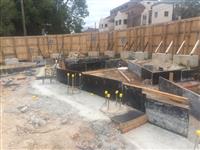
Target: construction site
x,y
137,88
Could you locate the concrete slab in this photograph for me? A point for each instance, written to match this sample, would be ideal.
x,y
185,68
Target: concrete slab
x,y
186,60
93,53
110,54
161,57
151,137
88,106
126,54
55,55
141,55
11,61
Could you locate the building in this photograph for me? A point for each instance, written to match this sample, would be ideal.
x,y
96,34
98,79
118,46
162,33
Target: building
x,y
162,12
136,13
106,24
120,21
146,17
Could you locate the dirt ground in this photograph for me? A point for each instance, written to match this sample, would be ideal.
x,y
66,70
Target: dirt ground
x,y
33,120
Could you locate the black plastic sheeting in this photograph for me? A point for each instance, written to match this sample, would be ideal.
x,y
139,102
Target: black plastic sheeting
x,y
134,97
147,72
154,76
189,74
98,85
194,98
62,77
88,64
131,96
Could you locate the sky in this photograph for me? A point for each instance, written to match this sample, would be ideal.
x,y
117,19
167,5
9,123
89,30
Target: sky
x,y
100,9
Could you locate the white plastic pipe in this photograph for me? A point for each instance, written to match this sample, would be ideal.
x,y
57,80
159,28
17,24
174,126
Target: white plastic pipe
x,y
170,45
180,48
158,47
195,47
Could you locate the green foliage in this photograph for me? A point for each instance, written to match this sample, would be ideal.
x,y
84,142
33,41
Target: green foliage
x,y
188,8
7,15
55,16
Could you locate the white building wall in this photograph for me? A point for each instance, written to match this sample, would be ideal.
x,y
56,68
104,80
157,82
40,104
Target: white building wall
x,y
147,4
105,25
120,19
160,9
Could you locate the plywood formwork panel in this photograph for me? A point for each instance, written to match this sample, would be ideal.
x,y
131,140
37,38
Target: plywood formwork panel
x,y
8,51
21,53
129,39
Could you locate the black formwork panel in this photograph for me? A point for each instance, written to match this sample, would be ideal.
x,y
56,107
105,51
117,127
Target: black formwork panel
x,y
189,74
98,85
115,63
154,76
62,77
166,74
86,64
146,74
134,98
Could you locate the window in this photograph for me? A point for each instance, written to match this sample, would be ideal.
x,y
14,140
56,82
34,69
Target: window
x,y
166,13
116,23
125,21
120,22
156,14
106,25
102,25
144,17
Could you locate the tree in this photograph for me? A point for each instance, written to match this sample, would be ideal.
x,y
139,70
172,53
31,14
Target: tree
x,y
54,16
7,15
188,8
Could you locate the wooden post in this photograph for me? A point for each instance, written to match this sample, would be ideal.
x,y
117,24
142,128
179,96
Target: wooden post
x,y
14,47
189,36
57,47
27,49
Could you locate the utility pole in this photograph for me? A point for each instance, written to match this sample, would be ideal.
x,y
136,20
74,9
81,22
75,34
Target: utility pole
x,y
23,18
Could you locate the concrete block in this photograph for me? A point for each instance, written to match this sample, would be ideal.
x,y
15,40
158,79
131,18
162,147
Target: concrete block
x,y
55,55
109,53
186,60
37,58
93,53
161,57
141,55
126,54
11,61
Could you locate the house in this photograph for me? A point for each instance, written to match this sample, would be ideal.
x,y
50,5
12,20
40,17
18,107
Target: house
x,y
136,13
162,12
106,24
146,17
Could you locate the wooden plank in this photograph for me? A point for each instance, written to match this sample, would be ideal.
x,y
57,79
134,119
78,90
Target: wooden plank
x,y
125,127
172,97
127,79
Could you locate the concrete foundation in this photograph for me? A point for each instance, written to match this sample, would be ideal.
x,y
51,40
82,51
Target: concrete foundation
x,y
93,53
11,61
186,60
126,54
141,55
161,57
110,54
